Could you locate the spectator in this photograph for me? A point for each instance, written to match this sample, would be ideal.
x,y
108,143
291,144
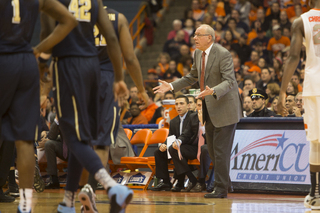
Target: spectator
x,y
185,61
284,21
203,4
265,79
172,73
269,32
258,98
247,106
192,103
152,78
291,10
240,21
272,91
286,32
292,88
253,13
274,104
188,14
296,79
277,65
262,62
237,65
277,43
216,11
207,19
184,52
292,106
189,26
133,92
261,17
229,37
248,84
232,25
163,62
255,72
177,26
157,114
261,38
148,110
218,31
299,102
275,12
243,7
137,117
254,59
253,33
242,49
298,11
172,47
197,12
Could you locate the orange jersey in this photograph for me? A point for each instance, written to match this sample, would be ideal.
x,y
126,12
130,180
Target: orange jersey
x,y
277,45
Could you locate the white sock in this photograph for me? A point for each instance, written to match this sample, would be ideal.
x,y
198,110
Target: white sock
x,y
104,178
25,200
69,198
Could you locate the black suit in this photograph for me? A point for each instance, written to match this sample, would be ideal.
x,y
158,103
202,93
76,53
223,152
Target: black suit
x,y
189,146
53,149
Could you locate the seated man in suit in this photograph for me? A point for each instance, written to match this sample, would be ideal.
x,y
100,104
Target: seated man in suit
x,y
185,127
54,147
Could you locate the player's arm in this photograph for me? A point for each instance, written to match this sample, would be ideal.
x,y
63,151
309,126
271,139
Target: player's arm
x,y
293,59
66,22
113,48
132,63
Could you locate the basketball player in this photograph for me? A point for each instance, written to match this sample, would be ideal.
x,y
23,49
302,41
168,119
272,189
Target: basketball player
x,y
19,80
307,26
108,108
76,83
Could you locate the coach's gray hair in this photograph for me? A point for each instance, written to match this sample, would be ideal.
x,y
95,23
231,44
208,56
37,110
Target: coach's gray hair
x,y
209,30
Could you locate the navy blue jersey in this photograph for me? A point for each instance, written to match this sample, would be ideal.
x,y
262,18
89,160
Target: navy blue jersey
x,y
100,41
80,41
18,18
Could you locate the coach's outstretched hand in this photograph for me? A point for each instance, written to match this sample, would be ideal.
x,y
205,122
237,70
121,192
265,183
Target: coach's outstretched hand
x,y
120,92
164,87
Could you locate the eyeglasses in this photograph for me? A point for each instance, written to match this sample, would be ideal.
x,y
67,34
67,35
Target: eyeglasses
x,y
298,100
198,35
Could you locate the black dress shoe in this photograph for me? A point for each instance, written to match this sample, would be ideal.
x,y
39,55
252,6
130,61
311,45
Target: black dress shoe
x,y
162,187
215,194
177,189
189,187
52,185
198,187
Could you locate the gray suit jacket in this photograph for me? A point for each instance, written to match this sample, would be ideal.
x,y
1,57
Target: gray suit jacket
x,y
224,108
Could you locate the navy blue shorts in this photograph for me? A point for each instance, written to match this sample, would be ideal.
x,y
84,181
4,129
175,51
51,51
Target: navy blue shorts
x,y
19,97
108,111
76,91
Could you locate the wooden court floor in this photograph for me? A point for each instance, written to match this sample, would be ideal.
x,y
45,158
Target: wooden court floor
x,y
170,202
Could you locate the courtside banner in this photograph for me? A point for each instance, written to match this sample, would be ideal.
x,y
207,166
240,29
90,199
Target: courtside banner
x,y
270,156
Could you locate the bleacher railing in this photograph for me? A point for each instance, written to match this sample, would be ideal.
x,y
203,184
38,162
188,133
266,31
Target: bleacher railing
x,y
139,21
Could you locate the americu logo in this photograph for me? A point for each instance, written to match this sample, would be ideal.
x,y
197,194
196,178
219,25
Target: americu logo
x,y
138,178
276,156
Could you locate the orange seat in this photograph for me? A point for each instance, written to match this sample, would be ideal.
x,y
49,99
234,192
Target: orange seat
x,y
128,133
159,136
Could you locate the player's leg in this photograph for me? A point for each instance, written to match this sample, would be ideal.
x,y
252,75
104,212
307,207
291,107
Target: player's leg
x,y
311,119
25,165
